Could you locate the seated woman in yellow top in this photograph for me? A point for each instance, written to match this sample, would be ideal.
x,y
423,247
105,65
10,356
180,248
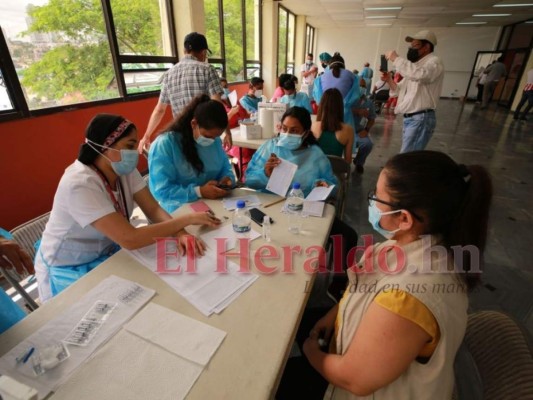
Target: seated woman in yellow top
x,y
333,135
397,329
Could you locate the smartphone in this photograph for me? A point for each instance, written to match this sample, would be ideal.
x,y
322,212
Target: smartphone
x,y
384,65
258,216
230,187
225,187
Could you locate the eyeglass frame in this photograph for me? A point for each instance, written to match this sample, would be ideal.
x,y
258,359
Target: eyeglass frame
x,y
372,197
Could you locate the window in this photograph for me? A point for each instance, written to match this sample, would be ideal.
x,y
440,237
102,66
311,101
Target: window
x,y
67,52
286,41
234,37
309,39
145,43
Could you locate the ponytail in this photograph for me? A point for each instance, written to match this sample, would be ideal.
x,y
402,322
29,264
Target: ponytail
x,y
209,113
448,199
471,222
335,65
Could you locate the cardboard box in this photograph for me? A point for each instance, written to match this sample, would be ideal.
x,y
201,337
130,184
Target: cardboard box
x,y
250,131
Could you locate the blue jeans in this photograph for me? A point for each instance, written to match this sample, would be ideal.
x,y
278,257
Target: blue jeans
x,y
417,130
361,148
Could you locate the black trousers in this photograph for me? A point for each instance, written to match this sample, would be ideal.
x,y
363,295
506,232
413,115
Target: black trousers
x,y
300,380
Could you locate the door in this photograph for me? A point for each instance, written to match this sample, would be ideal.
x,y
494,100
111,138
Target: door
x,y
483,60
515,61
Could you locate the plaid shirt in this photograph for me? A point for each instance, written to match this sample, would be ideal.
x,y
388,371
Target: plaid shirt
x,y
186,80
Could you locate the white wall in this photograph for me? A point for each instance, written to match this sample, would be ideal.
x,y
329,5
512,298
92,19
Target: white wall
x,y
457,47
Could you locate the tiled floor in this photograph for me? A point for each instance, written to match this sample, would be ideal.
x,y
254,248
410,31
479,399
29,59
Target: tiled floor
x,y
505,147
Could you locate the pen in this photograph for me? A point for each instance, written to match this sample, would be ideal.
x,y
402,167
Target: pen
x,y
27,356
275,202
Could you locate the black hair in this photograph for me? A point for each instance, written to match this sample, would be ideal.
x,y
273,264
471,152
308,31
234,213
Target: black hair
x,y
331,110
209,114
99,128
223,79
309,54
284,78
256,81
452,199
303,116
335,64
289,85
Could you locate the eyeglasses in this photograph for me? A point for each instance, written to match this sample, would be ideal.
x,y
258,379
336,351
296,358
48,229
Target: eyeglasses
x,y
395,206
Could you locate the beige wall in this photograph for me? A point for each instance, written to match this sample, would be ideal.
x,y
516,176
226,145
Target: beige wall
x,y
457,47
188,17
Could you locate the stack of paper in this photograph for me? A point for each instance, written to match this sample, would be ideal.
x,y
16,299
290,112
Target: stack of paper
x,y
203,281
158,355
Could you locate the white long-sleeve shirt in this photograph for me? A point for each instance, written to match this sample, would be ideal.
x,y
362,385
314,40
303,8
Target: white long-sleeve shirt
x,y
422,84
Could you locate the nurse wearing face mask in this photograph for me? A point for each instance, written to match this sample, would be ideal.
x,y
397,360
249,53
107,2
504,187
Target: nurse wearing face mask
x,y
254,96
93,204
292,98
295,143
188,162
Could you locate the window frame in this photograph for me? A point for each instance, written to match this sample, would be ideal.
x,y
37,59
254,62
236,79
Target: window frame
x,y
245,60
310,31
15,91
290,15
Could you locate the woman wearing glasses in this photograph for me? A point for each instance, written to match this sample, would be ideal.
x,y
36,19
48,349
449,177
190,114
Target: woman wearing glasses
x,y
397,329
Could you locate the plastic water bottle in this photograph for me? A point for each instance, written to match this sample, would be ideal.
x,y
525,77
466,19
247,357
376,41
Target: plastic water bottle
x,y
242,221
266,228
295,204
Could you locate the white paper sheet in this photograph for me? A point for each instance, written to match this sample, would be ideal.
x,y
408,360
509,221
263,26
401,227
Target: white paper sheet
x,y
320,193
232,97
281,177
110,289
200,281
158,355
182,336
127,367
313,208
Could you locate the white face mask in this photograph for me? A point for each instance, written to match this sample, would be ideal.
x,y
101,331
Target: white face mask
x,y
258,93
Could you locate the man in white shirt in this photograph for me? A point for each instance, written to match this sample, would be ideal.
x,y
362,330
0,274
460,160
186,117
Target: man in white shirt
x,y
419,91
309,71
493,72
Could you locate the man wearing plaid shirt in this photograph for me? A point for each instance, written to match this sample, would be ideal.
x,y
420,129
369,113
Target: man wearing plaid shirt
x,y
183,82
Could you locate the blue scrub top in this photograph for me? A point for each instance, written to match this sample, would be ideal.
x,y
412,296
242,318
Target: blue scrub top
x,y
10,313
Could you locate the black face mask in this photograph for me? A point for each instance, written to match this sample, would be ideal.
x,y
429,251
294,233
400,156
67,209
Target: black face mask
x,y
412,54
324,65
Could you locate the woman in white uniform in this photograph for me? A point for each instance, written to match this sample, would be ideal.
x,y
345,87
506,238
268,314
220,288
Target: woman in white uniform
x,y
94,201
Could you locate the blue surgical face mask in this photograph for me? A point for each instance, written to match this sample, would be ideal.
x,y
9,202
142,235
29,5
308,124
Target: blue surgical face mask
x,y
204,141
226,93
362,90
128,159
374,216
128,162
290,141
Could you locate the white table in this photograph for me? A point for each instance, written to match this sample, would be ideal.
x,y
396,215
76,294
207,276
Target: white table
x,y
260,324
